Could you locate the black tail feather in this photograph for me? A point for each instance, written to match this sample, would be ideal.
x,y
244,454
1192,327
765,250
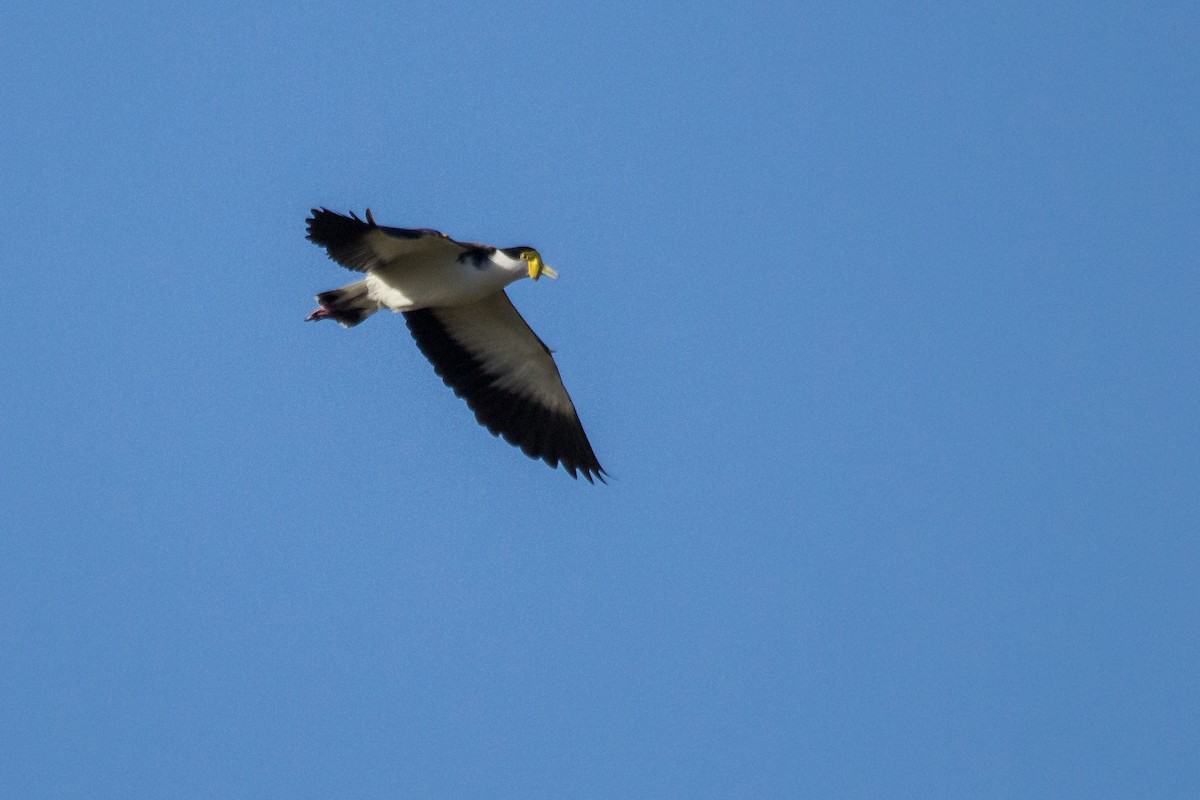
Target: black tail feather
x,y
348,305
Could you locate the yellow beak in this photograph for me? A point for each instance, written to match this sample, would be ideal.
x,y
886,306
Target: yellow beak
x,y
538,268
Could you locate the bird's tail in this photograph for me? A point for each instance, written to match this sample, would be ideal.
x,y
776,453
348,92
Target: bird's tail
x,y
348,305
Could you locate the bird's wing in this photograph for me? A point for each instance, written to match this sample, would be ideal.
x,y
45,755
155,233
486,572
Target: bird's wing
x,y
364,245
491,358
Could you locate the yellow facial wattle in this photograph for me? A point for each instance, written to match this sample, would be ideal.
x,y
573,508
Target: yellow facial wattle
x,y
537,267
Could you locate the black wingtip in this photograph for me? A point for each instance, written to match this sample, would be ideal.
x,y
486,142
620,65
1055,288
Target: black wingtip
x,y
330,229
593,474
591,471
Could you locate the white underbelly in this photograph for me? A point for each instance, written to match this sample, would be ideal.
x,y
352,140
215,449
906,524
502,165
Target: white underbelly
x,y
422,286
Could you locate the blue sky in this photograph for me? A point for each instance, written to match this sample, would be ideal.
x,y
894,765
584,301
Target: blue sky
x,y
883,320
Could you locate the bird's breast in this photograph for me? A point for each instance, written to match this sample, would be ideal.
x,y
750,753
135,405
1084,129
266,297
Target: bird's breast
x,y
406,288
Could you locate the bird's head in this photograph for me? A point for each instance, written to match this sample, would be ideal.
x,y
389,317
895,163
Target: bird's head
x,y
537,267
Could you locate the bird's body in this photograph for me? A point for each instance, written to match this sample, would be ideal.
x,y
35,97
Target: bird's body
x,y
452,296
425,282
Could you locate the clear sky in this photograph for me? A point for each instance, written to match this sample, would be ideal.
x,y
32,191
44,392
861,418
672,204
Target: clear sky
x,y
883,318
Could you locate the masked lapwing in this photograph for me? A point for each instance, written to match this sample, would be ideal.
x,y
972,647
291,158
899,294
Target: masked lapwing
x,y
452,296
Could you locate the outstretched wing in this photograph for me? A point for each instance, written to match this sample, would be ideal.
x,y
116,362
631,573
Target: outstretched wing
x,y
491,358
364,245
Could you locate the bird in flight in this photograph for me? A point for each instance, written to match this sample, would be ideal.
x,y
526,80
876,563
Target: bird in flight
x,y
452,296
